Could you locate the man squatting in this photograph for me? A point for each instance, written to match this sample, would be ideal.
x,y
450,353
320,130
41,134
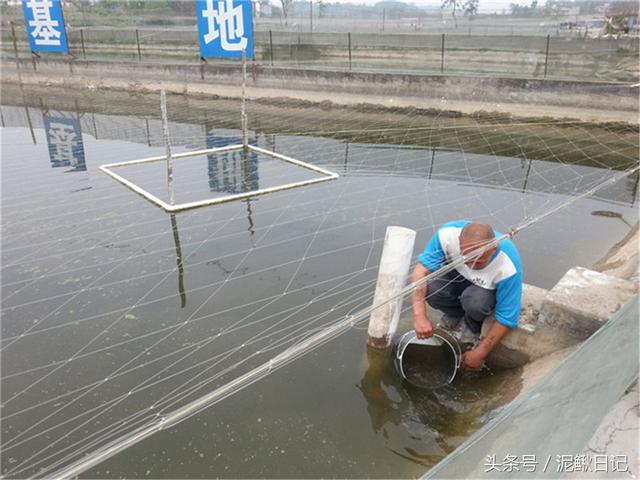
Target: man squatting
x,y
473,290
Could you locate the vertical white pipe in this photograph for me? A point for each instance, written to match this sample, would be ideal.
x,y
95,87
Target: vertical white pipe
x,y
392,278
167,142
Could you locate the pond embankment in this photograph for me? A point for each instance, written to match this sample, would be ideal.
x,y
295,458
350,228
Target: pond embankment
x,y
590,101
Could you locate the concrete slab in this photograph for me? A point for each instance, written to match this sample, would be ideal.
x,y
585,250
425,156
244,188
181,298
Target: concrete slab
x,y
580,303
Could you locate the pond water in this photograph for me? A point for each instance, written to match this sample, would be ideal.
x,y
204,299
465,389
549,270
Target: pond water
x,y
115,313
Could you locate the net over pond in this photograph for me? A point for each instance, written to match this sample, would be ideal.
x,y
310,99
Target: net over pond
x,y
116,313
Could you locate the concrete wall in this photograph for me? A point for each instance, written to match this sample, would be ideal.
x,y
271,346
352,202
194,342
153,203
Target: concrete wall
x,y
224,79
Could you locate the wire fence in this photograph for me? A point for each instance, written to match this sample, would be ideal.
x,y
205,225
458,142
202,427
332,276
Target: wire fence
x,y
533,56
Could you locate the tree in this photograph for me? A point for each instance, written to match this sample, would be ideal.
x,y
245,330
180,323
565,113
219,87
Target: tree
x,y
470,8
286,4
322,9
453,4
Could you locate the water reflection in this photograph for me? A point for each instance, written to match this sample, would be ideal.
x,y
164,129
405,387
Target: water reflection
x,y
176,239
424,425
232,172
403,416
64,138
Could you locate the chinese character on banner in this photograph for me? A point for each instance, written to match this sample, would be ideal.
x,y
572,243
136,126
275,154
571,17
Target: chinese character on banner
x,y
64,138
45,25
225,28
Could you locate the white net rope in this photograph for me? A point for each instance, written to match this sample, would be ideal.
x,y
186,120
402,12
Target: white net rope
x,y
89,280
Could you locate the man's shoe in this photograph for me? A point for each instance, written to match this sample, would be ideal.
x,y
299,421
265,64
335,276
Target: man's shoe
x,y
448,322
467,336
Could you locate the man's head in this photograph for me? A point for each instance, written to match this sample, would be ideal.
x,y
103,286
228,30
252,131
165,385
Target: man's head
x,y
473,236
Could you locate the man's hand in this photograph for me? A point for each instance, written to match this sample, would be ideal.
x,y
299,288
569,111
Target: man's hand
x,y
473,360
423,326
421,323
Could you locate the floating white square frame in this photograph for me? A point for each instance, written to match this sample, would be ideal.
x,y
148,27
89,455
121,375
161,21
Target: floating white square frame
x,y
326,175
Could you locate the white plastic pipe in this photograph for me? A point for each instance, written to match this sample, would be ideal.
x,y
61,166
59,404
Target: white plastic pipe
x,y
392,278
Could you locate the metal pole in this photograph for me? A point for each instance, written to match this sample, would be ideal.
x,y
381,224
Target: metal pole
x,y
349,36
84,53
15,50
138,43
69,54
271,46
384,17
95,127
526,177
146,121
346,157
433,158
167,142
442,55
243,114
311,16
546,56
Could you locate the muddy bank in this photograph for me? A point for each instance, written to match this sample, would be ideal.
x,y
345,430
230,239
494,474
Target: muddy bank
x,y
467,94
622,259
606,144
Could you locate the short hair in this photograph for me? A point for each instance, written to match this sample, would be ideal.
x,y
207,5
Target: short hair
x,y
477,231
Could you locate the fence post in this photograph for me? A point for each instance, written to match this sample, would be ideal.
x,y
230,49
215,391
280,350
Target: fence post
x,y
349,37
69,54
546,56
442,55
271,46
15,49
138,44
84,53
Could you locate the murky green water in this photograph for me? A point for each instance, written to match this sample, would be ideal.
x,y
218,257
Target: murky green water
x,y
116,313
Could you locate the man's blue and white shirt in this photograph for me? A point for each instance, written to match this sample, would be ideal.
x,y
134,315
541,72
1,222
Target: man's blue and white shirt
x,y
503,273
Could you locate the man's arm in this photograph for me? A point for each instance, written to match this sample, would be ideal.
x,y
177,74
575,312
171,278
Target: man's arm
x,y
421,322
508,303
474,359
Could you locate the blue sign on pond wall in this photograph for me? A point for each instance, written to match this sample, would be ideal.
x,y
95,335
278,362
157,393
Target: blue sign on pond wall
x,y
225,28
45,25
64,138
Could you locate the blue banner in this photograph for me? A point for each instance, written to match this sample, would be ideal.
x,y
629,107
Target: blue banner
x,y
231,172
45,25
64,138
225,28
